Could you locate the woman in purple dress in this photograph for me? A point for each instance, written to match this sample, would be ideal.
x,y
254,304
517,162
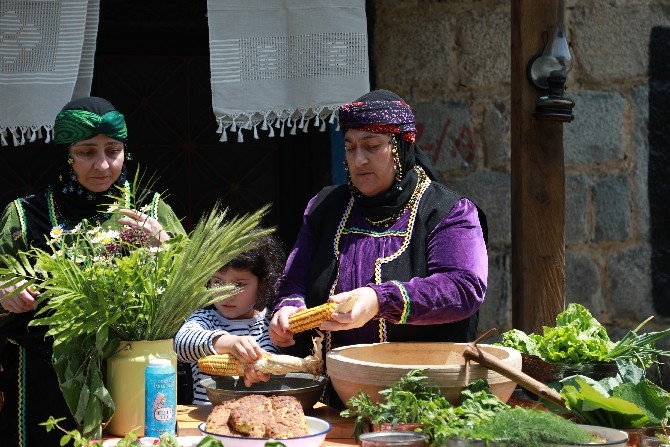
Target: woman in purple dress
x,y
411,250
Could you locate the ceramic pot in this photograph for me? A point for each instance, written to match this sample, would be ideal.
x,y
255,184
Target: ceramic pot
x,y
125,382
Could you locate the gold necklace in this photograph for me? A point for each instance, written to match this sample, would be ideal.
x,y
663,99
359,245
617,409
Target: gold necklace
x,y
393,218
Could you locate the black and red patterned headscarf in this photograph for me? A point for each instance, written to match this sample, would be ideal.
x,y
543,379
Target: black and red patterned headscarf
x,y
384,112
379,111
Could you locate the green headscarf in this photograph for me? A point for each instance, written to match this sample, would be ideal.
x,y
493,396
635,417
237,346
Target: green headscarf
x,y
76,125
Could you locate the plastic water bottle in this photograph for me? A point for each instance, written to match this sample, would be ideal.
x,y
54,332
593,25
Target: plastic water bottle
x,y
160,390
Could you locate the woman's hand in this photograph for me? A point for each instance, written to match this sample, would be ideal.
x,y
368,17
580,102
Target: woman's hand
x,y
24,301
149,225
280,334
365,308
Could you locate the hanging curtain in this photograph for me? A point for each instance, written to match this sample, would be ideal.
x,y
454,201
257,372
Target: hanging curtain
x,y
46,59
279,64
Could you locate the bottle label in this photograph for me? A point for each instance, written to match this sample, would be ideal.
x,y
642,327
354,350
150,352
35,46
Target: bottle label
x,y
160,409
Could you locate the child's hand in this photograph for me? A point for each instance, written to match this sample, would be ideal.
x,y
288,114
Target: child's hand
x,y
246,349
252,376
243,347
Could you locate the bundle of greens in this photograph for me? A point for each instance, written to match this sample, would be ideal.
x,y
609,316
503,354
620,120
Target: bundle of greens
x,y
480,415
629,400
579,338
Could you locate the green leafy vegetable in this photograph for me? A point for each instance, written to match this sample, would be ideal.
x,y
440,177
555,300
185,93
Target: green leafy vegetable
x,y
579,338
594,406
404,403
629,400
527,427
480,415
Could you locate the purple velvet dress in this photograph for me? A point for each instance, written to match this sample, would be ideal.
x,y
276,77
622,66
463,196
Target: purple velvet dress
x,y
451,289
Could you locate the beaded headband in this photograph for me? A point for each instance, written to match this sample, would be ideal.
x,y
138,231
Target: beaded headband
x,y
379,116
75,125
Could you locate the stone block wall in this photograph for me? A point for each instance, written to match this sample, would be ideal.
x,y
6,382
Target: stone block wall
x,y
451,61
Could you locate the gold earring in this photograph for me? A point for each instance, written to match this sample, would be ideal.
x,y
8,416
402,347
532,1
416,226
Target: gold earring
x,y
396,162
70,160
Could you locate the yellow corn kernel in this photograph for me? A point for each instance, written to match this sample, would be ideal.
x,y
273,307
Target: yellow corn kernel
x,y
311,318
220,365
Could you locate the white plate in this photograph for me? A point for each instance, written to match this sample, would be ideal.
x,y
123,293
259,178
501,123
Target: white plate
x,y
612,436
184,441
318,428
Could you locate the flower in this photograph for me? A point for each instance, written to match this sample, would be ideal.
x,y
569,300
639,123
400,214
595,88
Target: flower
x,y
100,285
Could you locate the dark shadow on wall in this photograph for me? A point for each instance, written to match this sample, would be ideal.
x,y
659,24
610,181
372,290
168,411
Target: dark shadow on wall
x,y
659,166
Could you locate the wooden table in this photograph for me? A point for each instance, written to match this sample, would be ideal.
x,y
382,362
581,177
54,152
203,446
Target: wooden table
x,y
341,434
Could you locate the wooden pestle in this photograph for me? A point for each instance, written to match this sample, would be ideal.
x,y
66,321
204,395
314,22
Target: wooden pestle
x,y
472,352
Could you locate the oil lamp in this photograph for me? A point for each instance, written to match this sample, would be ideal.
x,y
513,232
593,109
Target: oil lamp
x,y
548,71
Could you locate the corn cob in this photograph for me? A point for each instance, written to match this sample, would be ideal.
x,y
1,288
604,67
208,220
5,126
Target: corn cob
x,y
220,365
229,365
311,318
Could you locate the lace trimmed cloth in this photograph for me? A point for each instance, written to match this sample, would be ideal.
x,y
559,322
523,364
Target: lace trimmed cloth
x,y
278,65
47,50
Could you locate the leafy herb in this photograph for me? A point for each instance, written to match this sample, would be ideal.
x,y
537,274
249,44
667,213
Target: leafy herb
x,y
480,415
629,400
404,403
130,440
530,428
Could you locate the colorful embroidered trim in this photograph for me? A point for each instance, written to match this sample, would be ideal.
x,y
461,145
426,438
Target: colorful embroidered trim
x,y
22,399
406,301
413,206
419,190
22,221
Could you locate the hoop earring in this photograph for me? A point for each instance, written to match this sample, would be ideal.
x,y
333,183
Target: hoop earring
x,y
396,163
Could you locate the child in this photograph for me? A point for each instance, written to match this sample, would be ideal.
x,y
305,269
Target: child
x,y
237,325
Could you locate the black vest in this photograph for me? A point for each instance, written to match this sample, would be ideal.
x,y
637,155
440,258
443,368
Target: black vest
x,y
325,215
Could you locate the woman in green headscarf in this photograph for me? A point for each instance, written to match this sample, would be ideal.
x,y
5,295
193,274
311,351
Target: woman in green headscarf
x,y
92,136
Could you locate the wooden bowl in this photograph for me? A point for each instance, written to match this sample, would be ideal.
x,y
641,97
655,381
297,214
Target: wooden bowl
x,y
372,367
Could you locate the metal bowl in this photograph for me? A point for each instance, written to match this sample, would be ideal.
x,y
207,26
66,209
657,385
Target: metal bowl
x,y
307,388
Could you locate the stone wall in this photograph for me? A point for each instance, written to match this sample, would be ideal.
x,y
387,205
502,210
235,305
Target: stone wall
x,y
451,61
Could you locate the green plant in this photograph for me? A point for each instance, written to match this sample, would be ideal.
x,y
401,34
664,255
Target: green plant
x,y
629,400
480,415
403,403
663,435
130,440
579,338
100,286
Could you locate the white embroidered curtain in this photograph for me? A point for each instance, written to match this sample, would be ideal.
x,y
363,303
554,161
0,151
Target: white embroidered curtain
x,y
46,59
285,63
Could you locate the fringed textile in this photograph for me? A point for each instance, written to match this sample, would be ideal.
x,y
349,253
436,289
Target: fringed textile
x,y
47,50
284,64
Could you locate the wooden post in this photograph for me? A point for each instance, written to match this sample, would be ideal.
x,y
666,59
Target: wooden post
x,y
538,183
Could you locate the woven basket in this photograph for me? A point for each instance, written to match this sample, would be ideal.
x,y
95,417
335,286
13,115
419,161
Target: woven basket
x,y
546,372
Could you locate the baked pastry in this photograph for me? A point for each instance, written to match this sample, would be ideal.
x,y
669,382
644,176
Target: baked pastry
x,y
258,416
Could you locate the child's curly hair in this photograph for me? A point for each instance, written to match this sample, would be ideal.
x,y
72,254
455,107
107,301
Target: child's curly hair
x,y
266,262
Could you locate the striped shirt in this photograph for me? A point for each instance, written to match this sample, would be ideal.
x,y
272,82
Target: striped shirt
x,y
194,340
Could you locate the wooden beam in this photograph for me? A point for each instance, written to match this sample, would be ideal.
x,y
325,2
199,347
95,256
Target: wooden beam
x,y
538,183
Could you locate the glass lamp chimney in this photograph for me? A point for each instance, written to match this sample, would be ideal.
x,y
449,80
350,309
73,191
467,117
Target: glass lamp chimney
x,y
556,55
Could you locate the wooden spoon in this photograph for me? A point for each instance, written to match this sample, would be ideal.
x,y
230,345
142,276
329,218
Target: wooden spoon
x,y
472,352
